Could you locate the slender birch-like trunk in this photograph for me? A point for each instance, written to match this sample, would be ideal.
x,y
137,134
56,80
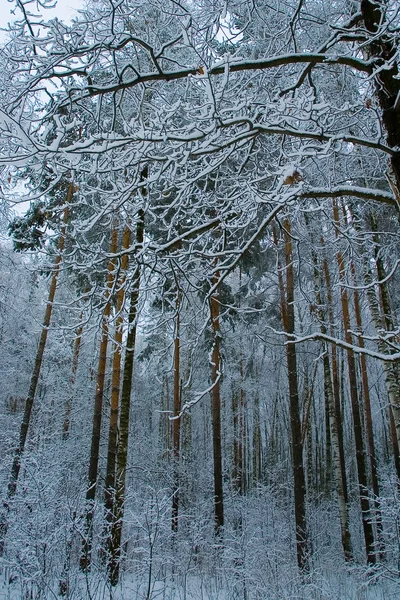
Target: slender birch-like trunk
x,y
335,377
109,488
306,425
19,450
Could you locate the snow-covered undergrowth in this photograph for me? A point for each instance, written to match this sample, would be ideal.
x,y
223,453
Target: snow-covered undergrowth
x,y
332,584
255,561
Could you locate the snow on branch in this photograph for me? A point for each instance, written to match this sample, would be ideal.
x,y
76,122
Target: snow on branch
x,y
197,397
392,357
355,192
91,90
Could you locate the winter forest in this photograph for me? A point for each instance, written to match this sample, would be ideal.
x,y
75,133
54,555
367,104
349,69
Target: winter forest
x,y
200,301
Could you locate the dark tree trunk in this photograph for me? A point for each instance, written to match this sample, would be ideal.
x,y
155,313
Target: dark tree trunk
x,y
177,419
216,411
387,80
122,454
395,444
303,546
288,319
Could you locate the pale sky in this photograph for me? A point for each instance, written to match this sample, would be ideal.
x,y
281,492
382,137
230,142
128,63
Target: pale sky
x,y
65,10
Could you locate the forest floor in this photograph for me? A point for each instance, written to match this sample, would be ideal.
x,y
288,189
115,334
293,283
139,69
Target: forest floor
x,y
341,585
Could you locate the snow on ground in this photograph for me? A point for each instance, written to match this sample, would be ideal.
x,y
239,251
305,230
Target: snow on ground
x,y
342,585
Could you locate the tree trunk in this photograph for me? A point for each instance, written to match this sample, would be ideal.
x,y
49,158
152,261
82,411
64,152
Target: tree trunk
x,y
238,475
288,319
368,418
395,444
109,488
257,447
236,471
177,419
85,559
356,412
335,379
122,454
306,425
74,368
387,80
216,412
19,450
164,422
186,437
336,433
384,324
343,506
390,370
243,437
328,452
